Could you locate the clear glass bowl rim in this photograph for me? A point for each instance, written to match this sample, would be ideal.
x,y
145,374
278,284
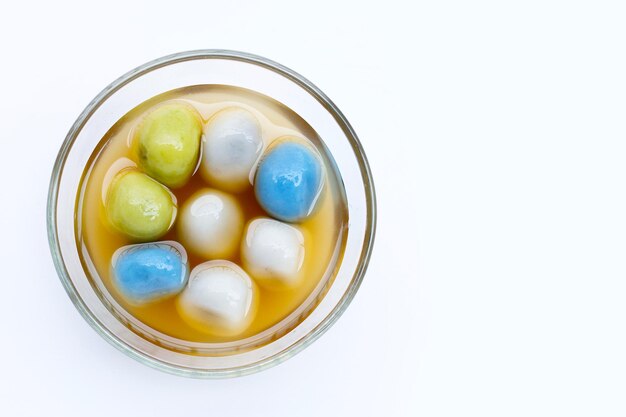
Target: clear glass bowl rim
x,y
350,134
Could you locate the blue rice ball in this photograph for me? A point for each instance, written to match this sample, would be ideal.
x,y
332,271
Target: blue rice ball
x,y
150,272
288,181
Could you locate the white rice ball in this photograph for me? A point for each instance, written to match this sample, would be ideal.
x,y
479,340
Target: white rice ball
x,y
273,252
220,298
232,147
210,224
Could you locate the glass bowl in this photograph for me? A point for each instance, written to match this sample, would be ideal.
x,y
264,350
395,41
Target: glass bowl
x,y
169,73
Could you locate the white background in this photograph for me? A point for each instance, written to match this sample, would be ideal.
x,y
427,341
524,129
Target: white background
x,y
496,132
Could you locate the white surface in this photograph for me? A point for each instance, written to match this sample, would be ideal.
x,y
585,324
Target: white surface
x,y
496,133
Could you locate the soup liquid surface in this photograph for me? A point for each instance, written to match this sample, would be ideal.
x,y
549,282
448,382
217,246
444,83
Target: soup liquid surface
x,y
324,231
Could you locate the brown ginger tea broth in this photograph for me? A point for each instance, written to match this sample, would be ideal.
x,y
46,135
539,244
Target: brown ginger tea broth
x,y
324,231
